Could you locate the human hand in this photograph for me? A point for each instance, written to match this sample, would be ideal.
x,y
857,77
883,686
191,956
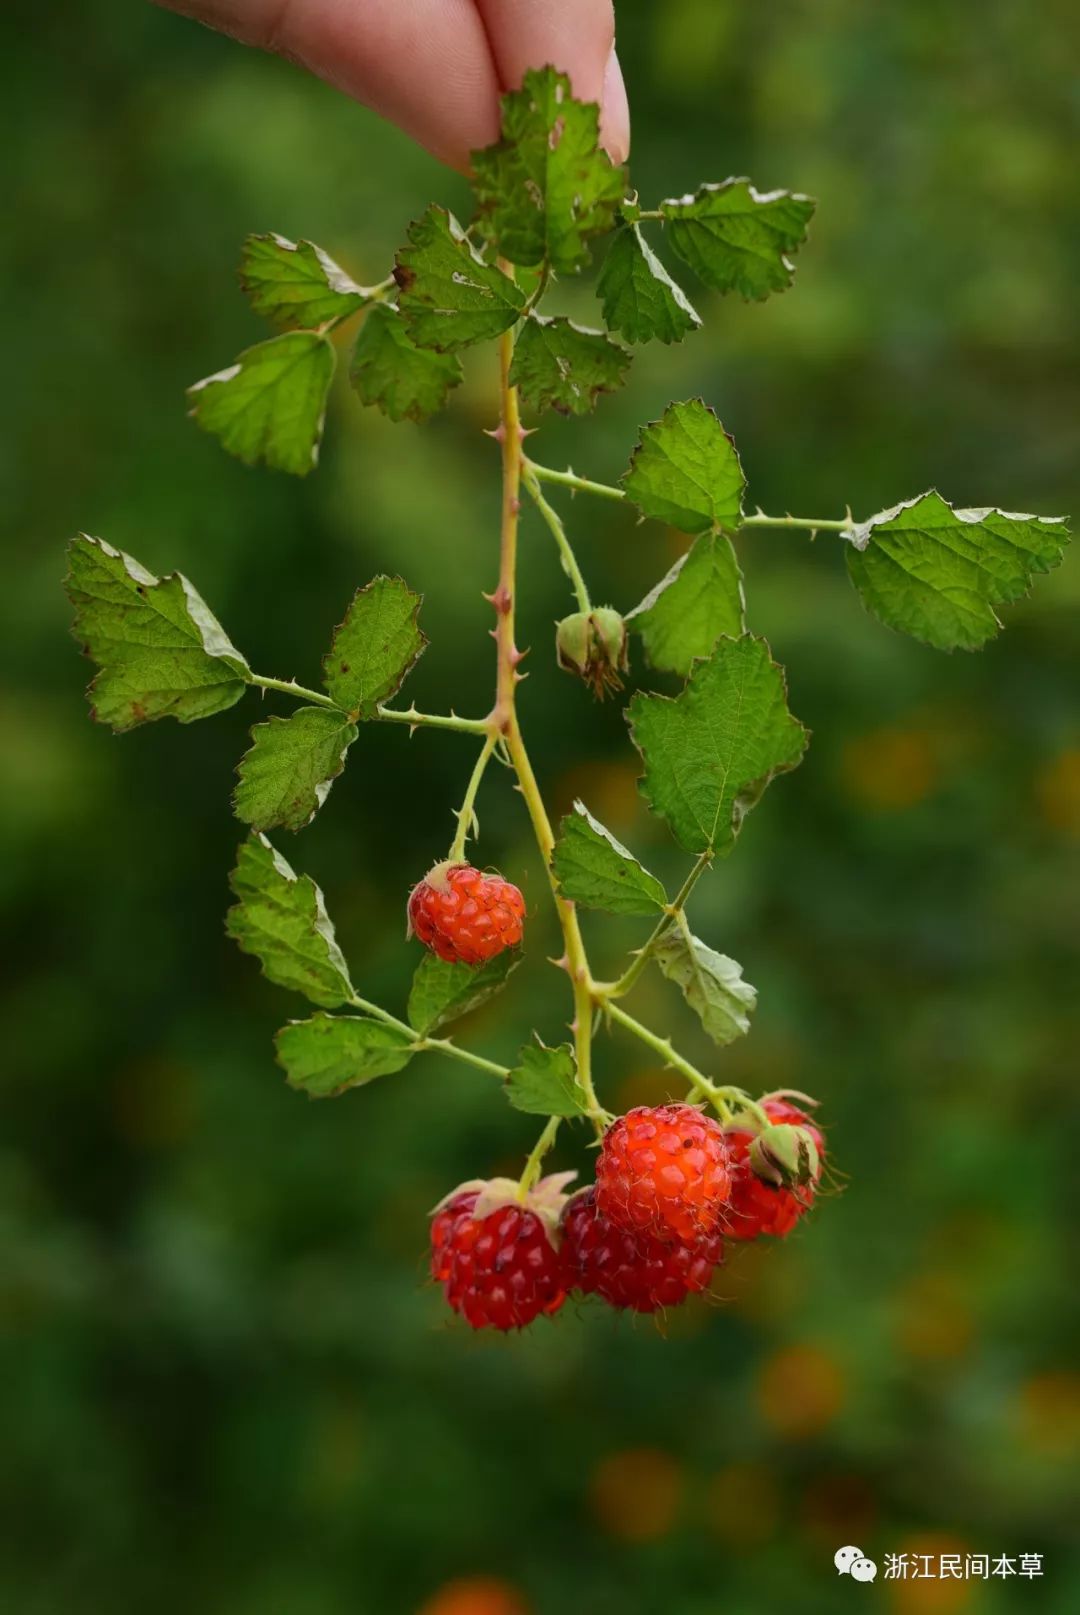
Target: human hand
x,y
437,67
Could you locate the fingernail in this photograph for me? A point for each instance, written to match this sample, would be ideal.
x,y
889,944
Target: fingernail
x,y
615,112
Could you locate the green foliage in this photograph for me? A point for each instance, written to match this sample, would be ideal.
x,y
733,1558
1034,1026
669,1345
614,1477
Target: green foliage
x,y
328,1054
286,776
387,369
443,992
639,297
269,406
560,365
685,470
737,239
295,284
160,651
449,297
711,983
544,1082
281,919
710,752
546,186
699,600
937,573
375,647
595,870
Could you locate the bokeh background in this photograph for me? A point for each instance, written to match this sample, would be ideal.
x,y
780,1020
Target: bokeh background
x,y
225,1383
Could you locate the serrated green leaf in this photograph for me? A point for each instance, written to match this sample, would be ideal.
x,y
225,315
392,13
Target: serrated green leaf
x,y
699,600
594,869
160,651
712,985
286,776
375,647
328,1054
937,573
640,300
268,407
685,470
544,1082
736,238
448,296
546,186
443,992
563,366
389,370
710,752
282,920
296,284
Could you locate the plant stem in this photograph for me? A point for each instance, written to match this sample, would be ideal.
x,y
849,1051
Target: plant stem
x,y
466,813
662,1046
569,479
606,490
672,912
415,720
505,721
441,1045
532,1166
558,532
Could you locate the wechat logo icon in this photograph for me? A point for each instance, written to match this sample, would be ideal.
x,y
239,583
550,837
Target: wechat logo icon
x,y
854,1563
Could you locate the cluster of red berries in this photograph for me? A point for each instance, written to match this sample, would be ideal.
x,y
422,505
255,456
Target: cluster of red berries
x,y
672,1185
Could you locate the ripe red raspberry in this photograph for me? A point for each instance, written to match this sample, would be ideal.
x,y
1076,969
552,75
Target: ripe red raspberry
x,y
663,1171
464,915
494,1254
757,1207
631,1270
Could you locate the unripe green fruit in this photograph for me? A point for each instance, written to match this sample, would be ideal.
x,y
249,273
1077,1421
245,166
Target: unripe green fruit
x,y
785,1156
592,644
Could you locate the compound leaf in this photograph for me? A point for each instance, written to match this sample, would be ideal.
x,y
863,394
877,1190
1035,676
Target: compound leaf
x,y
282,920
449,297
286,776
639,298
546,186
712,984
296,284
685,470
375,647
389,370
699,600
160,651
594,869
563,366
327,1054
443,992
937,573
710,752
736,238
269,406
544,1082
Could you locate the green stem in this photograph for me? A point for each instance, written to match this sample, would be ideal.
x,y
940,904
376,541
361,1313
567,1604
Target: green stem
x,y
673,911
605,490
290,687
433,720
558,532
466,813
532,1166
569,479
718,1097
376,294
440,1045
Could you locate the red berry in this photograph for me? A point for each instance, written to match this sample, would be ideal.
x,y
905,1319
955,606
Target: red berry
x,y
757,1207
465,916
498,1269
663,1171
631,1270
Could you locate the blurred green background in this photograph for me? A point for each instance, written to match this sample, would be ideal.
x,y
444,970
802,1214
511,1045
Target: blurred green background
x,y
226,1385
